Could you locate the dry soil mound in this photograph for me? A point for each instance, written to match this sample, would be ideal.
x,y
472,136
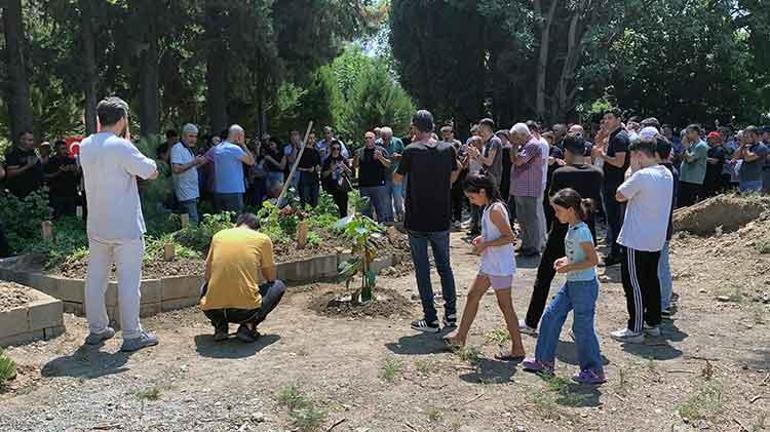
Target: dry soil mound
x,y
725,213
13,295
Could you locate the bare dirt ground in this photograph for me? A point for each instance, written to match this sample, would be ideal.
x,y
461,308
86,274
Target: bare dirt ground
x,y
709,371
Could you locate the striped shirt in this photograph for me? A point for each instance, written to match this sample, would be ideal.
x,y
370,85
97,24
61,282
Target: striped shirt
x,y
527,179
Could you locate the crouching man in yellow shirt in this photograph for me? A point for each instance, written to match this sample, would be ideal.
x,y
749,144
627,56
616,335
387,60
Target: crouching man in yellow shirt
x,y
241,285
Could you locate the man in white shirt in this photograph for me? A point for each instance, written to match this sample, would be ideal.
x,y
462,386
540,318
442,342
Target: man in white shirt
x,y
115,226
647,194
184,166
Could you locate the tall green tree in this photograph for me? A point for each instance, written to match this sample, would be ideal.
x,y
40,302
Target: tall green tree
x,y
16,86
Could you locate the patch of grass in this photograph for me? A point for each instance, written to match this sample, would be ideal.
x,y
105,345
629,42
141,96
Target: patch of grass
x,y
307,419
291,398
557,384
704,403
391,369
7,369
425,366
622,385
498,337
434,415
149,394
469,354
762,246
545,405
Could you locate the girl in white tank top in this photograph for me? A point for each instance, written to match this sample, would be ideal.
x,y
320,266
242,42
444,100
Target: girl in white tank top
x,y
497,266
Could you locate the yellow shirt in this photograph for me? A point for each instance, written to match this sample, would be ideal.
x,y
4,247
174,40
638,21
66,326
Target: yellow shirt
x,y
237,257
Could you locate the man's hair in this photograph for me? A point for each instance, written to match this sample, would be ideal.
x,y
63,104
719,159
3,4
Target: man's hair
x,y
520,129
233,130
474,129
189,128
694,128
502,132
557,126
614,112
386,130
663,147
24,132
635,119
574,144
651,122
751,130
447,129
163,148
249,219
533,126
328,129
648,146
423,121
171,133
488,122
110,110
59,142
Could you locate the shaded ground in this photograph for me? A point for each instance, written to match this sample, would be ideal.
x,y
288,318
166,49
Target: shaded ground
x,y
375,374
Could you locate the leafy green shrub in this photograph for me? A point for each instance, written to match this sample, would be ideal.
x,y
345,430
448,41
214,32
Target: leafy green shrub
x,y
22,218
7,369
154,248
69,243
365,235
198,237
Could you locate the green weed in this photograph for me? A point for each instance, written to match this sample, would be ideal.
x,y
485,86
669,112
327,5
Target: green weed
x,y
762,246
425,366
498,337
704,403
434,415
7,369
391,369
308,418
469,354
149,394
291,398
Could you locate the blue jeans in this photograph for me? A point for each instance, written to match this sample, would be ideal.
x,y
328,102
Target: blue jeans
x,y
396,194
748,186
379,199
191,208
666,281
439,242
579,296
232,202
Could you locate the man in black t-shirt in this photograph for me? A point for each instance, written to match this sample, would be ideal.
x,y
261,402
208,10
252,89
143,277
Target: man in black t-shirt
x,y
309,166
372,163
715,161
432,168
62,173
587,181
24,171
616,160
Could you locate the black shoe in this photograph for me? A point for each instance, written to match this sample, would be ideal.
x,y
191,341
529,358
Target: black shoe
x,y
609,261
220,335
246,335
426,327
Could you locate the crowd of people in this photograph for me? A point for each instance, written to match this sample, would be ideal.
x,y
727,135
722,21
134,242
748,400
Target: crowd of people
x,y
545,190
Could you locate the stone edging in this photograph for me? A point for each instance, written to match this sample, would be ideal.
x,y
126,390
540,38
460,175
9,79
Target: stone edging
x,y
40,319
174,292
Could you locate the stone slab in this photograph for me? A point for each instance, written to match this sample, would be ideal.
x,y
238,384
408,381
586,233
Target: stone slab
x,y
180,287
21,338
151,291
14,321
45,312
71,290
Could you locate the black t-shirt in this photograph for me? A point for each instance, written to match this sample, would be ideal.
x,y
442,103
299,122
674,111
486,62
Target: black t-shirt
x,y
714,170
371,172
618,143
309,159
585,179
28,181
556,153
65,184
277,156
429,179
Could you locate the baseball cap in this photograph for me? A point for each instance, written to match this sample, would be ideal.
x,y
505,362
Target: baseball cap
x,y
714,134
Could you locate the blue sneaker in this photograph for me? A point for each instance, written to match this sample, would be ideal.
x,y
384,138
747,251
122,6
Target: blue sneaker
x,y
145,339
97,338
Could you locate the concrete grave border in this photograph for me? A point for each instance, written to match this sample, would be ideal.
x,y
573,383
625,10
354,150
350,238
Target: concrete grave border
x,y
173,292
40,319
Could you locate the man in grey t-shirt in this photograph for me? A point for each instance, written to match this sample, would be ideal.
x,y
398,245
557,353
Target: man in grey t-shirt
x,y
184,166
491,156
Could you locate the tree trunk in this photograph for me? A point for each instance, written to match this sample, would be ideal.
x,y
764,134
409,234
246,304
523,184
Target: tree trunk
x,y
89,64
542,60
216,69
17,87
149,81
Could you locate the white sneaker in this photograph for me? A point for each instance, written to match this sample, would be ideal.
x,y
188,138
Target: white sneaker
x,y
524,328
653,331
627,336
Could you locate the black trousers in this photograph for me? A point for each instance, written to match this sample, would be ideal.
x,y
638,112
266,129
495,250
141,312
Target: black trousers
x,y
554,249
458,198
271,296
639,272
341,199
613,212
689,194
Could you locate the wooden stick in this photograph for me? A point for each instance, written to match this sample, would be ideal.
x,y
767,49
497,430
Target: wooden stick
x,y
335,425
287,183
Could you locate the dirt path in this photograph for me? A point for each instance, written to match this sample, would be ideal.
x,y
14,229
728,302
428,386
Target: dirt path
x,y
375,374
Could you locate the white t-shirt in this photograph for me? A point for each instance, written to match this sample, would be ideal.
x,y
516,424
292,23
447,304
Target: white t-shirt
x,y
110,167
186,183
545,150
648,192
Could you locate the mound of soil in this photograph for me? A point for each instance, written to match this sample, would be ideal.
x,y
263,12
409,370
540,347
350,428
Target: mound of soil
x,y
337,303
723,212
153,269
13,295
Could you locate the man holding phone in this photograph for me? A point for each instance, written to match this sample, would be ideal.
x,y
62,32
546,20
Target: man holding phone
x,y
115,225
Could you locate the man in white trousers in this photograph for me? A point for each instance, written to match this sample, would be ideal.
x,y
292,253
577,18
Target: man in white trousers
x,y
111,165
